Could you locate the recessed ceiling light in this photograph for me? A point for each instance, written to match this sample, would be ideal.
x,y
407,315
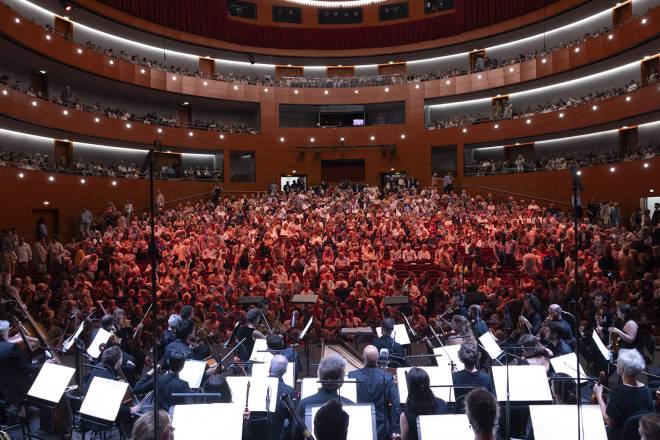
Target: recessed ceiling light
x,y
205,83
128,125
111,62
479,76
612,169
646,165
342,139
594,108
312,139
46,203
17,20
577,49
235,87
34,103
325,92
403,136
544,61
173,78
142,71
190,133
579,173
465,130
281,139
266,90
47,37
4,92
417,86
82,181
357,91
529,121
159,130
114,183
79,50
21,175
628,98
497,125
387,89
561,115
651,190
97,119
295,91
644,20
373,138
51,178
448,82
610,37
222,136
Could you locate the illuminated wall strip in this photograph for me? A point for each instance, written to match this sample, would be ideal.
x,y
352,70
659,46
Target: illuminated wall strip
x,y
263,65
571,138
634,64
336,4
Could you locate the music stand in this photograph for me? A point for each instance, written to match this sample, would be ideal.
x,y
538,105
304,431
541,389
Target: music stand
x,y
566,364
396,301
259,351
202,421
553,422
453,426
400,334
304,335
489,343
101,337
193,373
258,391
527,383
310,386
451,352
358,428
50,383
602,349
440,377
263,370
68,343
102,401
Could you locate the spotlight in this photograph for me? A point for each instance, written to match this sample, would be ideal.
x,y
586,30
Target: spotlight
x,y
79,50
111,62
282,139
544,61
479,76
373,138
83,181
4,92
97,119
65,112
594,108
357,91
579,173
387,89
51,178
128,125
266,90
403,136
312,139
46,203
205,83
325,92
66,5
610,37
497,125
173,78
465,130
644,20
17,20
235,87
561,115
142,71
34,103
511,69
628,98
342,139
191,134
448,82
612,169
48,37
577,49
529,121
159,130
646,165
417,86
222,136
114,183
21,175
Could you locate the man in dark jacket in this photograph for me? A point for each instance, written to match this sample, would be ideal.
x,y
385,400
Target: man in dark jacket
x,y
377,386
281,420
168,383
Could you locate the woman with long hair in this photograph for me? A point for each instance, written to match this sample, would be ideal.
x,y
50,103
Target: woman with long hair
x,y
420,401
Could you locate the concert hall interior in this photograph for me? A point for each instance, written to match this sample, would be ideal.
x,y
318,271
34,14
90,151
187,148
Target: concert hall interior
x,y
330,219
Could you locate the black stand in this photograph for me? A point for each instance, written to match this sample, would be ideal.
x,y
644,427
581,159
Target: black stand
x,y
149,163
577,189
507,329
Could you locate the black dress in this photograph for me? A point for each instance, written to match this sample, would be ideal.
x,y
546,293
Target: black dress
x,y
411,417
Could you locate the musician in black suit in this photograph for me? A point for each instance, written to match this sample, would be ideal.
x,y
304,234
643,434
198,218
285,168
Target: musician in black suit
x,y
469,376
275,342
180,345
169,335
386,340
15,370
377,386
168,383
331,368
281,420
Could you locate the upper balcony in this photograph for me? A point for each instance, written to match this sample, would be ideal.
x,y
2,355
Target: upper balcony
x,y
213,81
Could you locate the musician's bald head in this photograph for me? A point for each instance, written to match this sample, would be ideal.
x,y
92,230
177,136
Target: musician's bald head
x,y
370,356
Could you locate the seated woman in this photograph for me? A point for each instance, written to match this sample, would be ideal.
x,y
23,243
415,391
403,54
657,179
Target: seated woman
x,y
533,353
420,401
629,398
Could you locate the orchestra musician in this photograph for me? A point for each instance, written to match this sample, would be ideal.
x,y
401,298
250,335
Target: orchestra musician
x,y
169,335
331,372
377,386
15,370
249,332
128,365
217,384
479,327
627,399
468,354
482,413
629,334
331,422
281,420
275,342
551,335
555,314
386,341
144,427
181,345
421,401
168,383
460,329
533,352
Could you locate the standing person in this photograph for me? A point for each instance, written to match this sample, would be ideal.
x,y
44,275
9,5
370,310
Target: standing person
x,y
420,401
249,332
215,194
7,265
448,182
160,200
40,255
386,340
23,255
85,221
42,228
128,210
377,386
469,376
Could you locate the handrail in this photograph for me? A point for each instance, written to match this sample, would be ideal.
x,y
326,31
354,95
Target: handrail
x,y
517,194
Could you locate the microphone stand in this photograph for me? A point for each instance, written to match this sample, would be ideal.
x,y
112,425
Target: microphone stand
x,y
507,328
268,421
577,189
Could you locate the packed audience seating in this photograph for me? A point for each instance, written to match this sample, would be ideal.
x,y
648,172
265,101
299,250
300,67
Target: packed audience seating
x,y
558,162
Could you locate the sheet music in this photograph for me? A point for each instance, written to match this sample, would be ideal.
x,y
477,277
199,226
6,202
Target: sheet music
x,y
604,351
440,375
311,385
258,389
193,373
263,370
448,354
452,426
306,329
559,422
101,337
193,421
489,343
258,354
104,398
69,342
51,382
527,383
568,364
361,421
400,334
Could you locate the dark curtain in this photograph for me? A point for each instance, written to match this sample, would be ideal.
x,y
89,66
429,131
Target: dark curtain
x,y
209,18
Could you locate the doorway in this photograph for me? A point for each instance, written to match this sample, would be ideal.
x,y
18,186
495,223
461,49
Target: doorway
x,y
300,180
52,218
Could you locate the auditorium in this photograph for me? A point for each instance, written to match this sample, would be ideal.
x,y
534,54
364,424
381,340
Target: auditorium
x,y
329,219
